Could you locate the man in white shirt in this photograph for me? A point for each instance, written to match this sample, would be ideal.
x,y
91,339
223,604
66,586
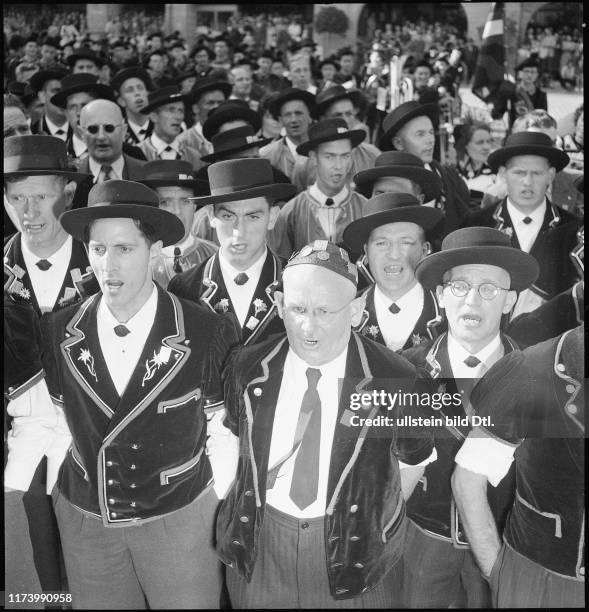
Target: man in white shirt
x,y
395,234
315,518
131,85
476,276
239,278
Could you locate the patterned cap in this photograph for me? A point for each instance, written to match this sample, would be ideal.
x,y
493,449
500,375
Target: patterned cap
x,y
326,255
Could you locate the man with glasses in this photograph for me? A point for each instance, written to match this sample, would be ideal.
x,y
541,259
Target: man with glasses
x,y
316,516
476,276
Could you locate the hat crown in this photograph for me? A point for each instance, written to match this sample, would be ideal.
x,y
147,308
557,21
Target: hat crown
x,y
388,201
528,138
208,83
475,237
35,153
167,169
335,91
328,127
78,79
397,158
164,95
326,255
239,174
401,111
115,192
129,73
233,138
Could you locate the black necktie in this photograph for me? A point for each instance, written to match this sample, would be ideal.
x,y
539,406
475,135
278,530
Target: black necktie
x,y
241,279
329,202
169,149
121,331
394,308
305,477
527,220
472,362
60,132
106,171
177,266
43,264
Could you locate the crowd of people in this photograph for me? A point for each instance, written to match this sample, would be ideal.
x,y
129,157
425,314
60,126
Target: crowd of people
x,y
220,258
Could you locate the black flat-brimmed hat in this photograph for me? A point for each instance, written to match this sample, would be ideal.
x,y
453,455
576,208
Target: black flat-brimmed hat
x,y
86,54
229,111
233,141
287,95
329,61
133,72
38,80
328,96
478,245
530,62
234,180
404,165
528,143
81,82
404,113
209,83
38,155
390,208
123,199
172,172
165,95
329,130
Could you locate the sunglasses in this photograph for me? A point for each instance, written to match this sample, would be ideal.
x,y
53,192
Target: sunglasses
x,y
109,128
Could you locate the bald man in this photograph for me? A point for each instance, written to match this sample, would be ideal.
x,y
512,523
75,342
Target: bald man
x,y
103,130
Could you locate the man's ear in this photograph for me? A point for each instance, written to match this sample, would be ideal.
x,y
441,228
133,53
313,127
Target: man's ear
x,y
69,191
121,102
211,214
551,174
153,116
155,250
510,301
426,248
440,295
279,301
274,210
397,143
358,304
124,128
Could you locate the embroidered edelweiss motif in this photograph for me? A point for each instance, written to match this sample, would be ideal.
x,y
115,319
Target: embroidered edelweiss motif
x,y
508,231
222,305
372,330
24,293
153,365
88,361
417,339
259,306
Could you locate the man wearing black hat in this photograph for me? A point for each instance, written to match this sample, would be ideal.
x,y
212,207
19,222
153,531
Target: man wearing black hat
x,y
206,95
85,61
239,278
166,111
203,57
423,91
528,95
175,185
293,109
155,64
48,270
315,517
394,233
410,128
135,370
527,164
53,122
228,115
131,85
326,207
533,403
476,276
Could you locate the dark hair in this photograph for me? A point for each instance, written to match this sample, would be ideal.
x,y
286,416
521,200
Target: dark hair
x,y
146,229
463,134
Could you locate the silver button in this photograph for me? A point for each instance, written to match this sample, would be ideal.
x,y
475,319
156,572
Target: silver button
x,y
110,481
244,519
10,389
353,508
359,565
570,388
560,367
572,409
354,538
114,514
111,500
186,342
135,446
236,542
257,391
133,485
582,571
132,504
248,493
133,466
109,464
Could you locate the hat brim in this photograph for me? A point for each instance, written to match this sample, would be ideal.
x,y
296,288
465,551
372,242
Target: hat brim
x,y
220,155
170,182
169,228
429,110
185,98
354,96
78,177
521,266
217,119
72,59
226,88
40,78
305,96
430,182
356,136
275,192
557,158
98,89
356,234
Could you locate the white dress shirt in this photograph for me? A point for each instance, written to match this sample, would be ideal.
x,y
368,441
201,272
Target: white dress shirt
x,y
122,353
241,295
526,233
487,356
47,284
160,147
116,168
137,128
292,390
53,129
396,328
80,148
292,147
328,214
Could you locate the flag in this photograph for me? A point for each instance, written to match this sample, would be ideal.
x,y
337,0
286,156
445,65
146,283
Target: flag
x,y
490,67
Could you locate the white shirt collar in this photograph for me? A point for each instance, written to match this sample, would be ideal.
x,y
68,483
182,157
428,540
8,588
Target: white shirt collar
x,y
292,147
62,255
197,127
137,128
138,323
54,127
409,300
160,145
338,198
168,251
79,146
457,353
517,217
253,272
117,168
334,369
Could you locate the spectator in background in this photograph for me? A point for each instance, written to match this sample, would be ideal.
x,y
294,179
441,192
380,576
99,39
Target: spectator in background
x,y
300,73
347,75
16,122
528,94
574,144
202,56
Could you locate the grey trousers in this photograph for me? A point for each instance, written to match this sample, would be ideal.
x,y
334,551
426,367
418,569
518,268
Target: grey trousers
x,y
170,561
290,571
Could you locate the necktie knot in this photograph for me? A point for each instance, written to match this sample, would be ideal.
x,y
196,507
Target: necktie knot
x,y
394,308
106,172
177,254
471,361
313,376
241,279
168,149
142,132
43,265
60,132
329,202
527,220
121,330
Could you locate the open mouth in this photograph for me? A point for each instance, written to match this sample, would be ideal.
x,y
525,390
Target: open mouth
x,y
471,320
310,343
393,270
34,228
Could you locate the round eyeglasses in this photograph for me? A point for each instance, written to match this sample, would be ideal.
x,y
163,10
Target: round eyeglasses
x,y
109,128
488,291
322,315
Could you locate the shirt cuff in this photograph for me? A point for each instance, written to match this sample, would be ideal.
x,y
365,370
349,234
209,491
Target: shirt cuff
x,y
486,456
223,452
432,457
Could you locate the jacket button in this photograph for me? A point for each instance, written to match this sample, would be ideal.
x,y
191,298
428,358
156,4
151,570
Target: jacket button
x,y
560,367
257,391
359,565
133,466
304,525
572,409
133,485
582,571
236,542
133,504
354,538
111,500
109,464
110,481
10,389
244,519
248,493
570,388
186,342
135,446
114,514
353,508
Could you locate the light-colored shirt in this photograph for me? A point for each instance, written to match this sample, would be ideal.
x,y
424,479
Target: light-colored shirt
x,y
292,147
526,232
53,128
241,295
487,356
328,214
137,129
47,284
121,353
80,148
161,146
116,171
396,328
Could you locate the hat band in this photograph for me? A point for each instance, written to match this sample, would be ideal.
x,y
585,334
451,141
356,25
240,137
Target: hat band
x,y
215,191
163,176
249,141
35,161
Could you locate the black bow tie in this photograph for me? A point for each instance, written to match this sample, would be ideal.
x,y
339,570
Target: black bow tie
x,y
241,278
394,308
527,220
43,264
60,133
472,362
121,331
177,255
329,202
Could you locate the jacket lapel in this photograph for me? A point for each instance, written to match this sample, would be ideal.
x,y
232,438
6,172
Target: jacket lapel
x,y
428,323
18,280
215,296
79,281
368,326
